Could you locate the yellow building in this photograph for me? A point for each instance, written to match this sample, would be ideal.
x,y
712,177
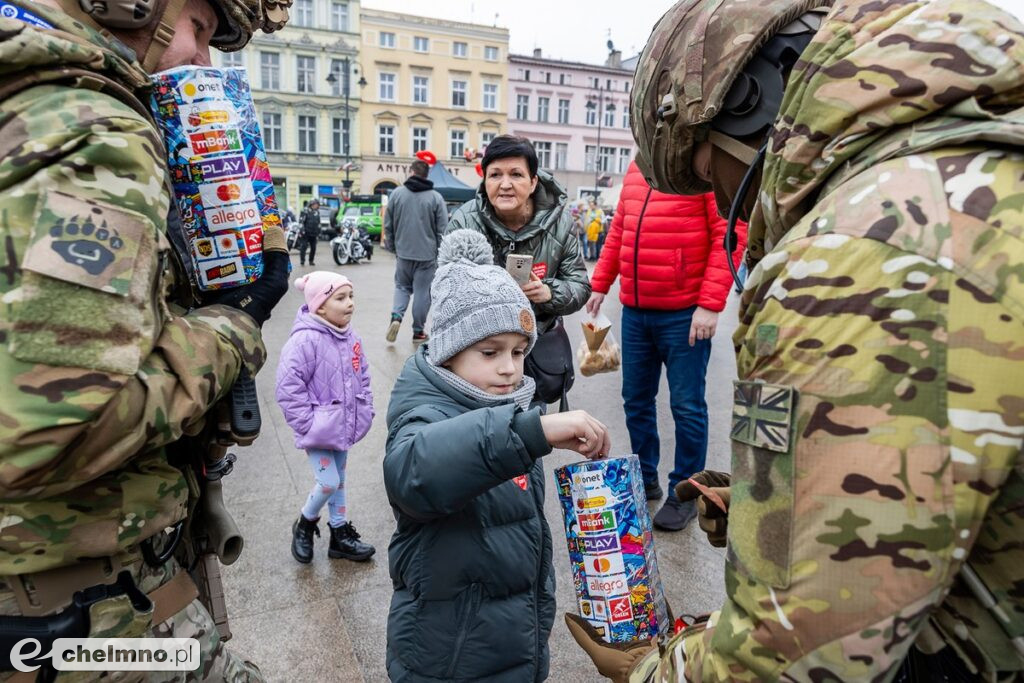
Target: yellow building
x,y
432,84
303,116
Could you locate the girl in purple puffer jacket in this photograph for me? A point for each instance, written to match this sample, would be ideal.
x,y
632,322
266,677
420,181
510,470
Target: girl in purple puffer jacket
x,y
323,388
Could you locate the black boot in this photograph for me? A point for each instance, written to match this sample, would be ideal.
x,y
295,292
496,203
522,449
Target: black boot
x,y
345,544
302,539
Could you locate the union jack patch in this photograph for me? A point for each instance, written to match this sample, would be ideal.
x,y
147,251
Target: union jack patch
x,y
762,414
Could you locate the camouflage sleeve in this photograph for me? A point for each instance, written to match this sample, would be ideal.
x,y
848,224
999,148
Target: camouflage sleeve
x,y
99,367
877,419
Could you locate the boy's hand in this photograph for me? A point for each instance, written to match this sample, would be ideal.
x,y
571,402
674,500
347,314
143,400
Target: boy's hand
x,y
536,291
577,431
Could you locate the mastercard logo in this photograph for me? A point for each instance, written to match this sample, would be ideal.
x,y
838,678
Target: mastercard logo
x,y
602,565
228,192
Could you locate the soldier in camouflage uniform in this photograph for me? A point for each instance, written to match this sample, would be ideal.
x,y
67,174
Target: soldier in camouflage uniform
x,y
877,491
102,367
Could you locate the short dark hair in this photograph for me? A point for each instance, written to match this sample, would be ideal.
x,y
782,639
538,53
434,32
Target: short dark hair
x,y
509,146
420,168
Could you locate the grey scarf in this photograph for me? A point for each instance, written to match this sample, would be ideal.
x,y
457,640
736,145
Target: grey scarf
x,y
522,395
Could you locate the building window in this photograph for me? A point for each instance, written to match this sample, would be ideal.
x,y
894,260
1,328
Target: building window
x,y
522,107
270,71
626,86
420,89
231,60
563,111
419,139
547,77
565,79
386,140
387,87
608,84
561,155
543,154
339,135
339,16
460,49
272,131
303,12
459,94
458,143
307,133
486,137
606,161
592,116
490,53
338,71
624,159
526,75
387,39
305,73
543,106
420,44
609,114
625,117
490,97
588,157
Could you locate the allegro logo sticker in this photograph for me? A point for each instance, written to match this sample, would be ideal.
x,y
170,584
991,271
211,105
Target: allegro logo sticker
x,y
608,586
597,521
233,217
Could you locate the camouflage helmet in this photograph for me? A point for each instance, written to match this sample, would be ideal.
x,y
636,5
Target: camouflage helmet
x,y
694,54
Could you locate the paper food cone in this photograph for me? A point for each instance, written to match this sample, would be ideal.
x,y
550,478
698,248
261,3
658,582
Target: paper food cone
x,y
594,336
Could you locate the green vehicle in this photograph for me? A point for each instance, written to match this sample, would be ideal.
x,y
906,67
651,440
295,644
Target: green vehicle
x,y
365,210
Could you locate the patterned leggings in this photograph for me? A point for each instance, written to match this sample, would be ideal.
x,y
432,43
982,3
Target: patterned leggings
x,y
329,470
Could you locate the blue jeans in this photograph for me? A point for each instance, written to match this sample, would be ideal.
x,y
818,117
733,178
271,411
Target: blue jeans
x,y
651,339
329,471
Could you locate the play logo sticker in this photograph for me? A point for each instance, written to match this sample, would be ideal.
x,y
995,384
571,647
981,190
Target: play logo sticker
x,y
208,170
601,543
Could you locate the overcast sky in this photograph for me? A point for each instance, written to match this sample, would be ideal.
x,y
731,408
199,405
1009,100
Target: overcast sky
x,y
575,30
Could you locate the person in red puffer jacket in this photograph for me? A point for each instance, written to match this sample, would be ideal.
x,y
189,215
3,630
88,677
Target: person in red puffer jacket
x,y
675,280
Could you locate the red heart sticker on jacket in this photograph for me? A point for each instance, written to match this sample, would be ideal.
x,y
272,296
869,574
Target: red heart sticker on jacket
x,y
521,481
540,270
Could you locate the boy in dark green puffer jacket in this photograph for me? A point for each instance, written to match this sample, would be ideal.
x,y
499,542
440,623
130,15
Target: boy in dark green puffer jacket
x,y
471,557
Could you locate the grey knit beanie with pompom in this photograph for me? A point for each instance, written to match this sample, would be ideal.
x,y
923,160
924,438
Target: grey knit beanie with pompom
x,y
473,299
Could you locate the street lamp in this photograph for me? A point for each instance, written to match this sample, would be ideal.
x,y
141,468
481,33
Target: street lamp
x,y
601,109
345,86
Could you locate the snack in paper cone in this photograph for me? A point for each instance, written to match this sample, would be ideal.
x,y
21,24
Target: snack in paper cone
x,y
595,333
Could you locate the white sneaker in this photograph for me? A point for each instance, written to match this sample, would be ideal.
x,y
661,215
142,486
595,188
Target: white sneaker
x,y
392,334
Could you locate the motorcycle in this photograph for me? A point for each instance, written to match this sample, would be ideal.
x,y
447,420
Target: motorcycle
x,y
352,243
291,235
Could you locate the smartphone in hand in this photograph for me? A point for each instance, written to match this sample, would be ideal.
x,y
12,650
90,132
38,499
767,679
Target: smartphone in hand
x,y
518,266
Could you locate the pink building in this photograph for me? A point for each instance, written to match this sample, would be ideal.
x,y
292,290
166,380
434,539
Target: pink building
x,y
576,115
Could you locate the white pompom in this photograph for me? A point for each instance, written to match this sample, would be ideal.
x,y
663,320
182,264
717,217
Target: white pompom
x,y
465,244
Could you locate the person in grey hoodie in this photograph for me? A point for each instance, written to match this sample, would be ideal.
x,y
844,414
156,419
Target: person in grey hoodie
x,y
414,221
470,559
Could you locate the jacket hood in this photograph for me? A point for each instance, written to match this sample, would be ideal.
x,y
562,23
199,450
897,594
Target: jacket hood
x,y
883,79
69,45
417,184
418,385
305,320
549,201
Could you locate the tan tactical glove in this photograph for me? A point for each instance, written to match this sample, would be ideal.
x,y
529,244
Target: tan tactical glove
x,y
613,660
274,240
711,491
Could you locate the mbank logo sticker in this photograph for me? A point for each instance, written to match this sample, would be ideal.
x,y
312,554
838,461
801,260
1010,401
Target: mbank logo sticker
x,y
597,521
210,141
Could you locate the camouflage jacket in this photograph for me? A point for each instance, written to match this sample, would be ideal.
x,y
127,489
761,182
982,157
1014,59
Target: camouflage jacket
x,y
98,373
878,420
